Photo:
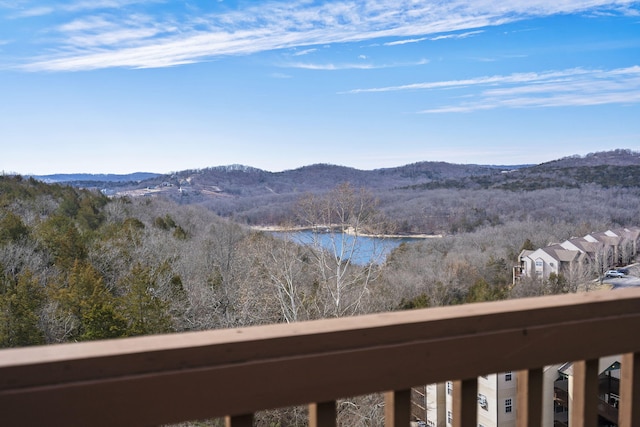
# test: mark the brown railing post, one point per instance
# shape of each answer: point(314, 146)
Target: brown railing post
point(629, 390)
point(322, 414)
point(465, 403)
point(583, 411)
point(529, 398)
point(158, 379)
point(397, 408)
point(239, 421)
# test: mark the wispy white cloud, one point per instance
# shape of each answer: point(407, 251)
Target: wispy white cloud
point(333, 67)
point(406, 41)
point(476, 81)
point(104, 4)
point(304, 52)
point(99, 31)
point(274, 25)
point(34, 11)
point(25, 10)
point(355, 65)
point(572, 87)
point(457, 36)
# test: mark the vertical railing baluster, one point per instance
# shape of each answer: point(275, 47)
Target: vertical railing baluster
point(322, 414)
point(583, 409)
point(529, 398)
point(397, 408)
point(629, 413)
point(239, 421)
point(465, 403)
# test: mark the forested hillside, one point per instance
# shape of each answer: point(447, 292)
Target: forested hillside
point(76, 265)
point(425, 197)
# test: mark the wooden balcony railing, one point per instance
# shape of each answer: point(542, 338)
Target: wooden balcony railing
point(234, 373)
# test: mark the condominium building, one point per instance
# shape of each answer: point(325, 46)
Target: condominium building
point(497, 406)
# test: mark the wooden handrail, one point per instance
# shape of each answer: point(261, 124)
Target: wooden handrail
point(170, 378)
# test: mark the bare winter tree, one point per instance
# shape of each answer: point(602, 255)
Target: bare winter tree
point(339, 219)
point(282, 266)
point(626, 251)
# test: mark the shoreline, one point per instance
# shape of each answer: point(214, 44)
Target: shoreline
point(349, 230)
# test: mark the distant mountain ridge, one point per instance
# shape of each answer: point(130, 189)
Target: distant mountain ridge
point(619, 157)
point(607, 169)
point(320, 168)
point(617, 167)
point(89, 177)
point(246, 181)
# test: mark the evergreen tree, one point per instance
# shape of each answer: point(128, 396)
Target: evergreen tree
point(61, 238)
point(12, 229)
point(94, 309)
point(146, 312)
point(20, 306)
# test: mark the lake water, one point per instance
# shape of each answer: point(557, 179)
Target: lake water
point(366, 249)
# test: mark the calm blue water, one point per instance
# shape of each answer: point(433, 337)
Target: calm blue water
point(367, 249)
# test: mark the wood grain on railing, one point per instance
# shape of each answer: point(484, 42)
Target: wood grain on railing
point(170, 378)
point(629, 411)
point(529, 401)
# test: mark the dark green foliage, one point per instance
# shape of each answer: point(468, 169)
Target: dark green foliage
point(61, 237)
point(420, 301)
point(177, 289)
point(482, 290)
point(164, 223)
point(146, 311)
point(95, 312)
point(69, 206)
point(167, 223)
point(556, 284)
point(497, 271)
point(180, 233)
point(14, 188)
point(528, 246)
point(89, 214)
point(12, 229)
point(20, 305)
point(160, 223)
point(133, 224)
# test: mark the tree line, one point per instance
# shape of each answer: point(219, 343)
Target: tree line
point(76, 265)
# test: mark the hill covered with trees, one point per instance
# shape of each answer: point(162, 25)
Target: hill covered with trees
point(426, 197)
point(77, 265)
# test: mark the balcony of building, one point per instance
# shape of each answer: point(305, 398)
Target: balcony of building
point(234, 373)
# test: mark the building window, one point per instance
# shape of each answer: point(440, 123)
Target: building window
point(482, 401)
point(507, 406)
point(507, 376)
point(449, 388)
point(449, 417)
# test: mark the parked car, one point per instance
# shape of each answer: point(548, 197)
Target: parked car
point(623, 270)
point(613, 273)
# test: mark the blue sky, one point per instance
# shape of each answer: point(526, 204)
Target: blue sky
point(118, 86)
